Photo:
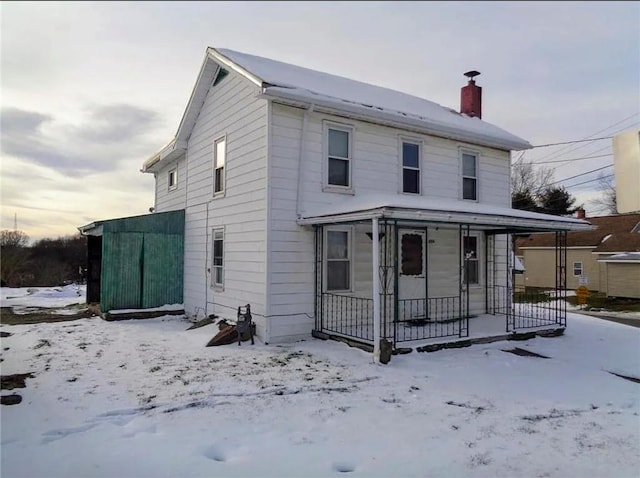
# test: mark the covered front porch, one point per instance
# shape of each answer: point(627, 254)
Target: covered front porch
point(412, 275)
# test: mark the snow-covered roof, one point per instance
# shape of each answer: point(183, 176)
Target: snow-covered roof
point(633, 257)
point(297, 84)
point(437, 210)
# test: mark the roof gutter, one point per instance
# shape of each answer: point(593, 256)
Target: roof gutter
point(289, 97)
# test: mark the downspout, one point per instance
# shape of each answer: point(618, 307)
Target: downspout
point(305, 121)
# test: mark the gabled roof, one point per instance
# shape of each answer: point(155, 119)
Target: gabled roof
point(612, 233)
point(295, 85)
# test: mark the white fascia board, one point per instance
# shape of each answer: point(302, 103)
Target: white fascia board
point(552, 247)
point(221, 59)
point(169, 152)
point(612, 253)
point(485, 221)
point(93, 229)
point(355, 111)
point(620, 261)
point(337, 218)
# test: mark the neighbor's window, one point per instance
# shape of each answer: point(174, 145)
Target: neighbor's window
point(410, 168)
point(218, 258)
point(338, 260)
point(219, 158)
point(339, 157)
point(577, 269)
point(470, 248)
point(172, 179)
point(469, 176)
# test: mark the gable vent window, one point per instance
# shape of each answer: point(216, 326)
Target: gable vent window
point(220, 76)
point(410, 168)
point(219, 160)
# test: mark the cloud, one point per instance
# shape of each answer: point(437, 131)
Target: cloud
point(105, 135)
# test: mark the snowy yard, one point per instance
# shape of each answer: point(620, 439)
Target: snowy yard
point(142, 398)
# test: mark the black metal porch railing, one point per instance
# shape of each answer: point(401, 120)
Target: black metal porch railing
point(417, 319)
point(346, 315)
point(530, 308)
point(420, 319)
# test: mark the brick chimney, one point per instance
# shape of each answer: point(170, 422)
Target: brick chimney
point(471, 96)
point(580, 214)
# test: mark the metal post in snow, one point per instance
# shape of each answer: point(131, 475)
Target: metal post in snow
point(376, 289)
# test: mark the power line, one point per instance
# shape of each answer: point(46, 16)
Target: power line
point(571, 142)
point(581, 174)
point(590, 137)
point(574, 159)
point(590, 181)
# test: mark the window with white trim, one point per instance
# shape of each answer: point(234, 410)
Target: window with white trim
point(471, 259)
point(219, 160)
point(217, 276)
point(338, 259)
point(577, 269)
point(410, 167)
point(470, 176)
point(339, 157)
point(172, 179)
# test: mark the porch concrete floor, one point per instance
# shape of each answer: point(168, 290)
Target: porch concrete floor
point(483, 328)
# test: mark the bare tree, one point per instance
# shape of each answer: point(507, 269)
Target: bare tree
point(607, 188)
point(15, 257)
point(527, 183)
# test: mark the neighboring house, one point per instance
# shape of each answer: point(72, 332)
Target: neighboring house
point(620, 275)
point(339, 207)
point(587, 254)
point(626, 163)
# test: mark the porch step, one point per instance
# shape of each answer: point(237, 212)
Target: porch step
point(555, 332)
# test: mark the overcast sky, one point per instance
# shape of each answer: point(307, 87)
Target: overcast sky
point(91, 90)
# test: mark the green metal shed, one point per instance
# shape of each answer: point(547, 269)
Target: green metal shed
point(135, 262)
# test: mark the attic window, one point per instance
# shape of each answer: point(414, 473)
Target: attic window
point(220, 76)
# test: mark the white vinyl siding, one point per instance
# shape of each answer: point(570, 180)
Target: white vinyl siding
point(376, 152)
point(168, 198)
point(230, 111)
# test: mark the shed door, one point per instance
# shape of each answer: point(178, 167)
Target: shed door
point(412, 273)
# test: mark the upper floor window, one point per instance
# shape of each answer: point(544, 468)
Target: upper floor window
point(172, 179)
point(219, 159)
point(339, 157)
point(471, 260)
point(410, 168)
point(470, 176)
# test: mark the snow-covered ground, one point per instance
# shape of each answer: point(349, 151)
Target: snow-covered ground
point(142, 398)
point(23, 300)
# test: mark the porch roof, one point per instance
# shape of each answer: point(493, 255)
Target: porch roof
point(420, 208)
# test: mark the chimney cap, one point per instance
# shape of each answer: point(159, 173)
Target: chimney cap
point(471, 74)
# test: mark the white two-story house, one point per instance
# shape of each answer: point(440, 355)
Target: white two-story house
point(342, 208)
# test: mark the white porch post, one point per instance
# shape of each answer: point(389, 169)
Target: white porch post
point(376, 289)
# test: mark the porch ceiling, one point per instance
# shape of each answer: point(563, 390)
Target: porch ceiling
point(494, 219)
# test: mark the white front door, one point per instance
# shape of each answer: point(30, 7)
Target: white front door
point(412, 273)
